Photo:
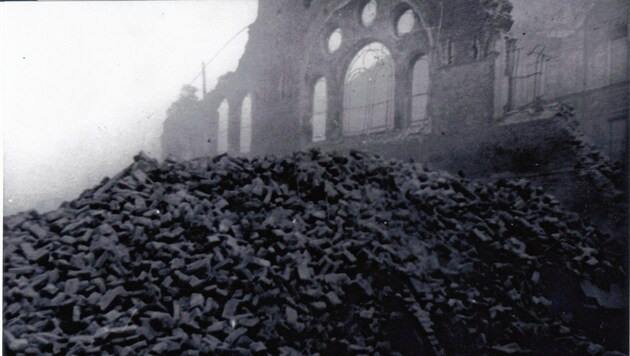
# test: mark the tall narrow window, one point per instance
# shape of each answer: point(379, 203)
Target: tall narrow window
point(222, 131)
point(420, 95)
point(320, 110)
point(368, 94)
point(246, 125)
point(527, 75)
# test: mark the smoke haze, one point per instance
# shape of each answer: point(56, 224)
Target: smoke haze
point(85, 85)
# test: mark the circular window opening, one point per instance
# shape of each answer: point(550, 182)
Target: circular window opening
point(405, 23)
point(334, 40)
point(369, 13)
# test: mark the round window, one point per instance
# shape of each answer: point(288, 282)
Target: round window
point(334, 40)
point(369, 13)
point(405, 23)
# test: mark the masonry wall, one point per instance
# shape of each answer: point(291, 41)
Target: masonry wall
point(580, 68)
point(541, 147)
point(286, 54)
point(603, 114)
point(463, 95)
point(189, 131)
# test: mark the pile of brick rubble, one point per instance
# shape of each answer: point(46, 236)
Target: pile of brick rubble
point(606, 174)
point(305, 254)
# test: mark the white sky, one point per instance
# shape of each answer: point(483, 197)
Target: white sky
point(556, 18)
point(85, 85)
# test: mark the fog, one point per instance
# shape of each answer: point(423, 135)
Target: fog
point(557, 18)
point(86, 85)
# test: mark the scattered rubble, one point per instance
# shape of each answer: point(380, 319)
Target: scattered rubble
point(607, 175)
point(312, 253)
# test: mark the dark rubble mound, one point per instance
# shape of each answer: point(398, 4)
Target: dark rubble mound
point(306, 254)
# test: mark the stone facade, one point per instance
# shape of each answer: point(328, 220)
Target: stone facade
point(581, 60)
point(471, 98)
point(486, 77)
point(287, 53)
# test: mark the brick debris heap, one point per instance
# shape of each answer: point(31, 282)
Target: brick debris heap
point(309, 253)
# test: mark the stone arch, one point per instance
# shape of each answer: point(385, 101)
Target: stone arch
point(426, 12)
point(319, 62)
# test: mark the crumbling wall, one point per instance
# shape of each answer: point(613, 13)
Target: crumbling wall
point(286, 54)
point(457, 82)
point(584, 52)
point(462, 96)
point(603, 115)
point(545, 147)
point(188, 128)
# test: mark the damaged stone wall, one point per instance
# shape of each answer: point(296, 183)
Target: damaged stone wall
point(545, 147)
point(187, 130)
point(582, 54)
point(286, 54)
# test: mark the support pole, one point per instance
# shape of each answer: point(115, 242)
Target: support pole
point(203, 80)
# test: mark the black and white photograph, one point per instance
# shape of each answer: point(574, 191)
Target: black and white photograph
point(315, 177)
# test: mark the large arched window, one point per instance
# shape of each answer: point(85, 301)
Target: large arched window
point(420, 95)
point(246, 125)
point(368, 104)
point(222, 130)
point(320, 110)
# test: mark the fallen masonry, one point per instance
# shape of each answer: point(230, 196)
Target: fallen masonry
point(313, 253)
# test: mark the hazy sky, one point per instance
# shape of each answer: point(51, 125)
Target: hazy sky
point(85, 85)
point(556, 18)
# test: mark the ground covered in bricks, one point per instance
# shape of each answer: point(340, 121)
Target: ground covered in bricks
point(310, 253)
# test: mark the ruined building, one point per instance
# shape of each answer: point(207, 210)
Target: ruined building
point(322, 71)
point(442, 82)
point(577, 55)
